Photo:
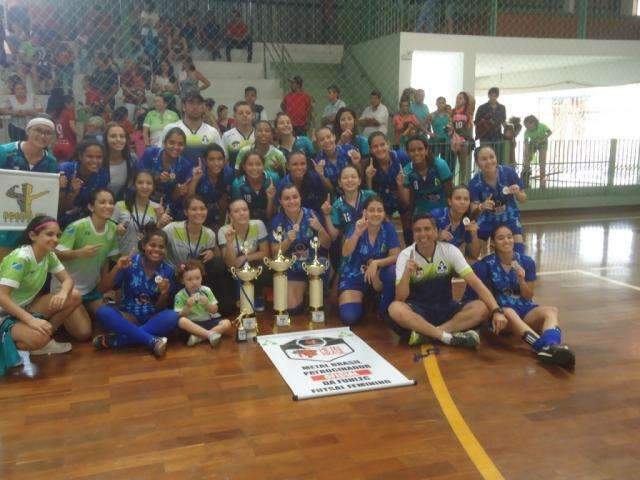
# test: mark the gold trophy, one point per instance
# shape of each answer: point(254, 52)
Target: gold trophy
point(247, 322)
point(315, 270)
point(280, 265)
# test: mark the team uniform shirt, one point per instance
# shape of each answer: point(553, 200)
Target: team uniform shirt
point(443, 219)
point(256, 233)
point(313, 192)
point(345, 215)
point(504, 284)
point(385, 185)
point(65, 144)
point(196, 140)
point(381, 114)
point(139, 291)
point(257, 200)
point(332, 170)
point(233, 140)
point(134, 220)
point(198, 312)
point(430, 286)
point(86, 271)
point(181, 248)
point(12, 158)
point(428, 192)
point(506, 209)
point(537, 137)
point(462, 124)
point(99, 179)
point(212, 192)
point(352, 268)
point(156, 121)
point(274, 160)
point(26, 276)
point(301, 246)
point(300, 143)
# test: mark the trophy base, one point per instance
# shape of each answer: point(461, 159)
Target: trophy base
point(317, 320)
point(282, 323)
point(249, 330)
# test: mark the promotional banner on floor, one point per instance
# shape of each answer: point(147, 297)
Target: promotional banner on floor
point(333, 361)
point(24, 195)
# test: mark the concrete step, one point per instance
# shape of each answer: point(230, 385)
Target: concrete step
point(271, 105)
point(234, 88)
point(230, 70)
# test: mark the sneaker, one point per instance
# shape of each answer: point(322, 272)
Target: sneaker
point(559, 355)
point(416, 339)
point(469, 339)
point(194, 340)
point(53, 347)
point(159, 346)
point(101, 342)
point(258, 304)
point(214, 339)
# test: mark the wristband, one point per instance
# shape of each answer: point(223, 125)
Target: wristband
point(496, 310)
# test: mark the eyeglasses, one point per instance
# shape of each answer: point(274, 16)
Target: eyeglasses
point(43, 133)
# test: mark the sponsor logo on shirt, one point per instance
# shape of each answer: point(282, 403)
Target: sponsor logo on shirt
point(442, 267)
point(17, 266)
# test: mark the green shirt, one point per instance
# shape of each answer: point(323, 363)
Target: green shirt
point(86, 271)
point(26, 277)
point(156, 121)
point(274, 160)
point(181, 248)
point(538, 134)
point(199, 312)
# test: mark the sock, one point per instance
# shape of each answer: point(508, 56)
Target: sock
point(446, 338)
point(126, 333)
point(388, 279)
point(350, 313)
point(552, 336)
point(530, 338)
point(519, 247)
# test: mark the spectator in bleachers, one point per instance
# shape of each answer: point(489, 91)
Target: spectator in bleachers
point(165, 83)
point(136, 142)
point(133, 86)
point(224, 122)
point(298, 105)
point(250, 96)
point(63, 67)
point(419, 108)
point(404, 123)
point(238, 36)
point(149, 37)
point(189, 30)
point(334, 105)
point(94, 129)
point(345, 129)
point(178, 49)
point(60, 109)
point(21, 106)
point(208, 116)
point(427, 18)
point(242, 134)
point(121, 117)
point(438, 125)
point(212, 36)
point(375, 117)
point(156, 120)
point(103, 84)
point(191, 79)
point(490, 118)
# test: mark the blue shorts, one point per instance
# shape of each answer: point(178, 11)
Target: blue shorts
point(522, 308)
point(485, 229)
point(436, 315)
point(353, 283)
point(209, 324)
point(92, 296)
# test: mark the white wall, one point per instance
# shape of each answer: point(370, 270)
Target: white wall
point(438, 74)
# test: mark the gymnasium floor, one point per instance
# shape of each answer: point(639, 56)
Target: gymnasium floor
point(226, 414)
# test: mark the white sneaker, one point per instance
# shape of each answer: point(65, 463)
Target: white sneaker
point(53, 347)
point(214, 339)
point(194, 340)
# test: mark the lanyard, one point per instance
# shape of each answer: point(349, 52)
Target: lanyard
point(238, 244)
point(136, 217)
point(192, 253)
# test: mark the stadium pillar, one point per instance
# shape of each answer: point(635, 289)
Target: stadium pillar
point(493, 18)
point(583, 8)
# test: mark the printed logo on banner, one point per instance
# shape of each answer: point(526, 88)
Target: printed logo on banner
point(317, 349)
point(24, 198)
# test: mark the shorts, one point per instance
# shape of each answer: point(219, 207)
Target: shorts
point(209, 324)
point(487, 227)
point(92, 296)
point(436, 315)
point(8, 351)
point(522, 307)
point(353, 283)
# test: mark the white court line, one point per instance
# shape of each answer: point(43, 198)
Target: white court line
point(584, 220)
point(618, 267)
point(590, 274)
point(556, 272)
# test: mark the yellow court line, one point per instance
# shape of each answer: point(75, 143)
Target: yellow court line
point(467, 439)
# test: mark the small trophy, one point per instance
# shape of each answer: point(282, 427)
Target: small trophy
point(315, 270)
point(280, 265)
point(247, 274)
point(247, 327)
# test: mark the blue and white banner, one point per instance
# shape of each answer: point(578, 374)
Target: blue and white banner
point(332, 361)
point(24, 195)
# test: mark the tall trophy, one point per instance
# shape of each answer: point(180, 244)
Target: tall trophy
point(280, 265)
point(315, 270)
point(247, 322)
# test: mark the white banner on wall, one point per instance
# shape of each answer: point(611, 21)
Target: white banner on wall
point(24, 195)
point(332, 361)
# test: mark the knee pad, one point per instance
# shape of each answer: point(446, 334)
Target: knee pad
point(350, 313)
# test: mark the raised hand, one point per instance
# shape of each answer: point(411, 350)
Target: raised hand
point(489, 204)
point(346, 136)
point(64, 181)
point(361, 225)
point(315, 223)
point(76, 184)
point(207, 255)
point(121, 229)
point(319, 167)
point(370, 171)
point(355, 156)
point(165, 177)
point(326, 206)
point(518, 269)
point(400, 178)
point(229, 234)
point(271, 190)
point(124, 262)
point(88, 251)
point(514, 189)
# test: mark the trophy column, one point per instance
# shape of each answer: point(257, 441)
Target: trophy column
point(315, 270)
point(247, 323)
point(280, 265)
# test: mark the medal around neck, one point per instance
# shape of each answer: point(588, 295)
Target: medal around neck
point(506, 190)
point(279, 266)
point(247, 274)
point(315, 270)
point(466, 221)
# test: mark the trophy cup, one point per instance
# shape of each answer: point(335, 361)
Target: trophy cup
point(247, 319)
point(280, 265)
point(315, 270)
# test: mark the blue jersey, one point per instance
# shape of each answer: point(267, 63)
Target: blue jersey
point(362, 144)
point(99, 179)
point(428, 191)
point(212, 193)
point(352, 267)
point(139, 292)
point(504, 284)
point(344, 215)
point(302, 143)
point(384, 183)
point(443, 219)
point(506, 208)
point(301, 245)
point(312, 192)
point(257, 200)
point(332, 170)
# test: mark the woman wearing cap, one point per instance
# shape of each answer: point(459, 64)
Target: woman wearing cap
point(31, 155)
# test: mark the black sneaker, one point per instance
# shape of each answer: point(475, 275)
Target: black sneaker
point(469, 339)
point(559, 355)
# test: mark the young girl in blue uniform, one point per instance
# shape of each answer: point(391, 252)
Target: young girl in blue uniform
point(299, 226)
point(144, 316)
point(453, 227)
point(212, 180)
point(369, 253)
point(171, 170)
point(345, 129)
point(81, 177)
point(511, 278)
point(332, 158)
point(494, 191)
point(308, 182)
point(256, 186)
